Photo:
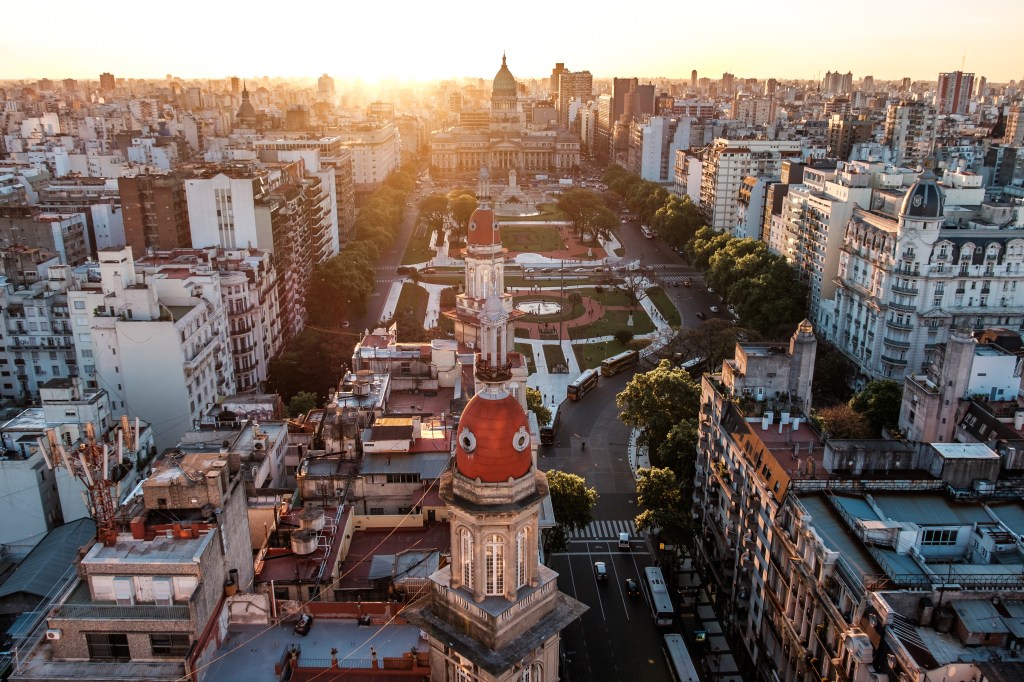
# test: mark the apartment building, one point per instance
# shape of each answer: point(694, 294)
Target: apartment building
point(845, 131)
point(376, 153)
point(573, 85)
point(146, 600)
point(64, 234)
point(653, 144)
point(248, 285)
point(910, 131)
point(727, 162)
point(134, 332)
point(96, 198)
point(155, 213)
point(953, 93)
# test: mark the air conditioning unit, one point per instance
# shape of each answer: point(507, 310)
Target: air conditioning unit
point(53, 634)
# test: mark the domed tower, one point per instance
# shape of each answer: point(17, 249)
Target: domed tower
point(246, 115)
point(504, 97)
point(495, 610)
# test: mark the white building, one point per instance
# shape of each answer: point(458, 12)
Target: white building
point(376, 153)
point(157, 344)
point(687, 173)
point(910, 131)
point(653, 146)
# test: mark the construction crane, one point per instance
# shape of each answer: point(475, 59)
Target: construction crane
point(98, 469)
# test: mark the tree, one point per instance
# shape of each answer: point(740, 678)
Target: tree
point(573, 503)
point(588, 214)
point(841, 421)
point(461, 204)
point(634, 284)
point(715, 340)
point(659, 496)
point(535, 403)
point(678, 451)
point(301, 403)
point(880, 403)
point(623, 336)
point(832, 372)
point(677, 221)
point(655, 401)
point(434, 210)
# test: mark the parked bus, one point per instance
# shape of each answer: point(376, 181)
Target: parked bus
point(695, 366)
point(617, 363)
point(547, 432)
point(583, 384)
point(679, 662)
point(647, 232)
point(657, 592)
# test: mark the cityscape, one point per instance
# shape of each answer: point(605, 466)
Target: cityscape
point(632, 358)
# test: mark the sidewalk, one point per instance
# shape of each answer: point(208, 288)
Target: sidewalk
point(391, 302)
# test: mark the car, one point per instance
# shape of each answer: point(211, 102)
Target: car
point(303, 624)
point(600, 571)
point(404, 270)
point(675, 284)
point(598, 269)
point(624, 221)
point(632, 588)
point(686, 284)
point(711, 290)
point(345, 324)
point(701, 315)
point(713, 308)
point(581, 269)
point(623, 540)
point(427, 271)
point(548, 270)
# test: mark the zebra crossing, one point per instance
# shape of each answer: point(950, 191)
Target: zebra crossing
point(604, 530)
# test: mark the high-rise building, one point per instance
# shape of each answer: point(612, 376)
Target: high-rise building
point(693, 79)
point(867, 84)
point(846, 131)
point(603, 130)
point(632, 99)
point(325, 86)
point(154, 212)
point(573, 85)
point(953, 94)
point(653, 144)
point(1014, 136)
point(910, 131)
point(106, 81)
point(553, 81)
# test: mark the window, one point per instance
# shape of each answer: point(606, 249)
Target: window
point(938, 537)
point(466, 556)
point(522, 550)
point(170, 644)
point(494, 565)
point(108, 646)
point(79, 305)
point(531, 673)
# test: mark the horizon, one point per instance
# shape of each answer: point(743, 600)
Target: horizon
point(875, 38)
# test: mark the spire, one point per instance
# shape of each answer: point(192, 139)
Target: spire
point(493, 366)
point(503, 57)
point(483, 190)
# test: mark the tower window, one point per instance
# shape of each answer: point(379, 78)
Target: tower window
point(466, 552)
point(494, 555)
point(522, 549)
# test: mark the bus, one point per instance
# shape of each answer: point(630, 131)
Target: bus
point(657, 592)
point(679, 662)
point(583, 384)
point(617, 363)
point(547, 432)
point(647, 232)
point(695, 366)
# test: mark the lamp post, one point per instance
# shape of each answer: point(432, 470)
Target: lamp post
point(561, 296)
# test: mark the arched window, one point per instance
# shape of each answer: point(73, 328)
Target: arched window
point(531, 673)
point(494, 566)
point(522, 549)
point(466, 555)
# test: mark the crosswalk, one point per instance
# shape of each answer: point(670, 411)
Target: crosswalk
point(604, 530)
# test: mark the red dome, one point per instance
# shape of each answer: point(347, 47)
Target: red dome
point(493, 440)
point(483, 228)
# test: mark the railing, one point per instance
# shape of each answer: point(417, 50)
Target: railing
point(911, 291)
point(893, 361)
point(905, 307)
point(118, 612)
point(899, 325)
point(896, 344)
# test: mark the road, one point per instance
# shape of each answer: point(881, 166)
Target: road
point(615, 639)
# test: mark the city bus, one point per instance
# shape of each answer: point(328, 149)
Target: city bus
point(657, 592)
point(647, 232)
point(695, 366)
point(547, 432)
point(617, 363)
point(583, 384)
point(679, 662)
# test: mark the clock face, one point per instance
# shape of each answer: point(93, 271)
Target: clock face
point(917, 201)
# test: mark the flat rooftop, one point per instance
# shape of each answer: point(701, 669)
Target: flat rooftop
point(249, 652)
point(355, 568)
point(159, 550)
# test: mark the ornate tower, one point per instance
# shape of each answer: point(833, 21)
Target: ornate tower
point(495, 613)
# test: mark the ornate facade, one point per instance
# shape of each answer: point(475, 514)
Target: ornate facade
point(504, 145)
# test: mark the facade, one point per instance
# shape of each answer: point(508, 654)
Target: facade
point(155, 213)
point(63, 234)
point(726, 163)
point(653, 145)
point(844, 131)
point(501, 143)
point(904, 282)
point(134, 333)
point(573, 85)
point(96, 198)
point(376, 150)
point(495, 612)
point(910, 131)
point(954, 92)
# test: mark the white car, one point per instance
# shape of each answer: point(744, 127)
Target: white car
point(714, 308)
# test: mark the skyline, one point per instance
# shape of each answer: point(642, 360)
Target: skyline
point(72, 41)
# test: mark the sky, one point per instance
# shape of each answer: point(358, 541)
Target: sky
point(409, 40)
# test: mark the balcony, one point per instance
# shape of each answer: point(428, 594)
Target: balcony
point(117, 612)
point(904, 307)
point(903, 345)
point(899, 325)
point(905, 290)
point(894, 361)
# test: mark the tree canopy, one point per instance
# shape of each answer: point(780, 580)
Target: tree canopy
point(842, 421)
point(661, 501)
point(535, 403)
point(879, 402)
point(677, 221)
point(588, 214)
point(571, 499)
point(461, 204)
point(301, 403)
point(655, 401)
point(434, 210)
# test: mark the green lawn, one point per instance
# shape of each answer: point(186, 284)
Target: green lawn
point(613, 321)
point(419, 250)
point(554, 356)
point(568, 314)
point(413, 297)
point(608, 296)
point(450, 280)
point(531, 238)
point(527, 352)
point(665, 306)
point(590, 355)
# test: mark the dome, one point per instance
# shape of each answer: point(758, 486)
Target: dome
point(483, 228)
point(924, 198)
point(504, 81)
point(493, 440)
